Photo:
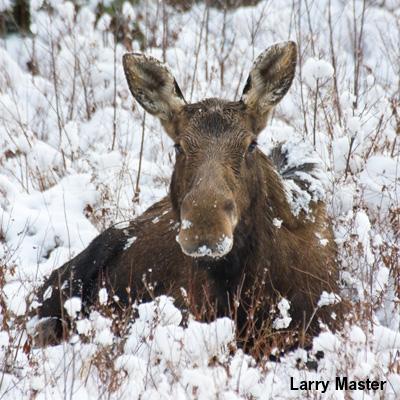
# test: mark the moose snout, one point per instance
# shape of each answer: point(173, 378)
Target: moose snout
point(207, 227)
point(204, 248)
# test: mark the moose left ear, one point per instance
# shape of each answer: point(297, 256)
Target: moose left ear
point(153, 85)
point(269, 80)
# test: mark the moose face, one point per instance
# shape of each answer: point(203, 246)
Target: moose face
point(214, 179)
point(215, 159)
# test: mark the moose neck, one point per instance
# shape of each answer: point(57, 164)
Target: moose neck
point(230, 267)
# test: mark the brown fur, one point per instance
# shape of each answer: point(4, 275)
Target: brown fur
point(224, 188)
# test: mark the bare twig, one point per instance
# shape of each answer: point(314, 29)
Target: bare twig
point(137, 188)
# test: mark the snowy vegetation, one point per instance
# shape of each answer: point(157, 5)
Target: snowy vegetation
point(77, 155)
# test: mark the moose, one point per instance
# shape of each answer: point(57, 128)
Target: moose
point(212, 244)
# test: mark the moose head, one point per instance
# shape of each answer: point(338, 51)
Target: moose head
point(216, 175)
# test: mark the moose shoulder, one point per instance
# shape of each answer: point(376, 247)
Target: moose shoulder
point(214, 234)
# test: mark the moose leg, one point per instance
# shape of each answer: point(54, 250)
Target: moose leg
point(78, 277)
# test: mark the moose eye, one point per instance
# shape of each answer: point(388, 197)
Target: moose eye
point(252, 146)
point(178, 149)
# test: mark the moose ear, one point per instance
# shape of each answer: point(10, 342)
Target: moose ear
point(153, 85)
point(269, 80)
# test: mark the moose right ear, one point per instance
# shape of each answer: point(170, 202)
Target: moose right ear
point(153, 85)
point(269, 80)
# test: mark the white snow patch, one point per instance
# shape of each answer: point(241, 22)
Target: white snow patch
point(186, 224)
point(161, 310)
point(284, 320)
point(277, 222)
point(225, 245)
point(104, 22)
point(129, 242)
point(4, 339)
point(122, 225)
point(316, 71)
point(83, 326)
point(104, 337)
point(327, 299)
point(47, 293)
point(73, 306)
point(103, 296)
point(323, 242)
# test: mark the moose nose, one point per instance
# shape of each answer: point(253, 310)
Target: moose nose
point(207, 224)
point(205, 248)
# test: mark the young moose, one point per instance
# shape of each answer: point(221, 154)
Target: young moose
point(214, 234)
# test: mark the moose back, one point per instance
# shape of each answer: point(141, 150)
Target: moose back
point(214, 235)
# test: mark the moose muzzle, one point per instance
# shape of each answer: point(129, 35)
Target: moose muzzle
point(208, 222)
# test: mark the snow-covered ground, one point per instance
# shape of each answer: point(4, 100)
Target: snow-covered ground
point(70, 140)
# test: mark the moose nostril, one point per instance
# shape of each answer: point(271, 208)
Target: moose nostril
point(229, 206)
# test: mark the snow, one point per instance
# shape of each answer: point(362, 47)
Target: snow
point(380, 182)
point(353, 125)
point(161, 310)
point(323, 242)
point(4, 339)
point(186, 224)
point(104, 337)
point(73, 306)
point(277, 222)
point(128, 11)
point(129, 242)
point(62, 181)
point(327, 299)
point(357, 335)
point(103, 296)
point(47, 293)
point(104, 22)
point(362, 227)
point(303, 187)
point(5, 5)
point(283, 321)
point(224, 245)
point(122, 225)
point(316, 72)
point(83, 326)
